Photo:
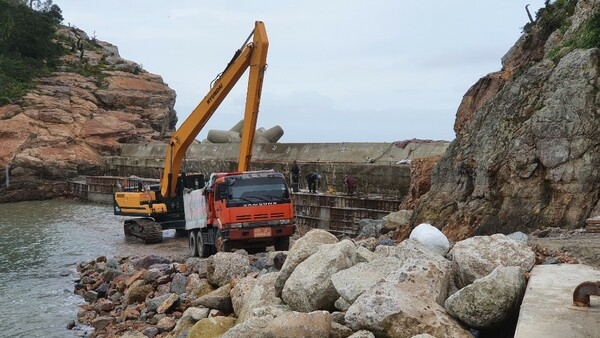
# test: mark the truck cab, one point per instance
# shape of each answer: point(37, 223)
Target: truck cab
point(250, 210)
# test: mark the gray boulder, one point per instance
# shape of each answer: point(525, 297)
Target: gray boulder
point(432, 272)
point(489, 301)
point(301, 250)
point(224, 266)
point(388, 310)
point(477, 256)
point(250, 293)
point(309, 287)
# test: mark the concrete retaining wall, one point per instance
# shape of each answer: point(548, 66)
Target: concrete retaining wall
point(379, 168)
point(387, 153)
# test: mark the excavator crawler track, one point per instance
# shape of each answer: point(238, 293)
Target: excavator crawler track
point(143, 228)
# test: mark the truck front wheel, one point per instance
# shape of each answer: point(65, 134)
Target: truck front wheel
point(223, 245)
point(282, 244)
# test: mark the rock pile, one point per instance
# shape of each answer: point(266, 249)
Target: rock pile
point(321, 287)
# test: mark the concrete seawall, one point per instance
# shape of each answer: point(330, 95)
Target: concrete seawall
point(380, 168)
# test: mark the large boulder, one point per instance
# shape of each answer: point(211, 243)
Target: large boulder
point(489, 302)
point(309, 287)
point(409, 262)
point(218, 299)
point(428, 270)
point(211, 327)
point(222, 267)
point(250, 293)
point(388, 310)
point(478, 256)
point(315, 324)
point(301, 250)
point(352, 282)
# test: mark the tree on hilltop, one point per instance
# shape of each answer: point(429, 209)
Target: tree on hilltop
point(28, 44)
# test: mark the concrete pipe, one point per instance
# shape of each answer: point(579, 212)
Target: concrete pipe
point(221, 136)
point(274, 134)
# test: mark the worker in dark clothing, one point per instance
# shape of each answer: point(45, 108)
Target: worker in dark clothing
point(313, 180)
point(350, 184)
point(295, 171)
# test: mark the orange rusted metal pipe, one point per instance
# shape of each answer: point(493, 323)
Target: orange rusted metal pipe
point(583, 291)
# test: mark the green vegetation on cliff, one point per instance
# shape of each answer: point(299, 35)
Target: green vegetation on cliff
point(553, 16)
point(557, 16)
point(28, 44)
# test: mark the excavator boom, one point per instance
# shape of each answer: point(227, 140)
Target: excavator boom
point(258, 63)
point(156, 208)
point(252, 55)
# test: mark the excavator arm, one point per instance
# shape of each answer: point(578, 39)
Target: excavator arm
point(251, 55)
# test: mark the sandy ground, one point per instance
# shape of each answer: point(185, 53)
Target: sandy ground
point(569, 246)
point(172, 247)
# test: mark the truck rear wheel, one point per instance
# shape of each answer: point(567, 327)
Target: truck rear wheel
point(193, 243)
point(204, 250)
point(282, 244)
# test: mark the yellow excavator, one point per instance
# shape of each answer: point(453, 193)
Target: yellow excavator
point(162, 206)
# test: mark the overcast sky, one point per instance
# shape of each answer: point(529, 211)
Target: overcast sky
point(338, 70)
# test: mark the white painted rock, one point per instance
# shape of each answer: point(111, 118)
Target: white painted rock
point(431, 237)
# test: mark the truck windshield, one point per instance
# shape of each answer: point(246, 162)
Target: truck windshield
point(257, 190)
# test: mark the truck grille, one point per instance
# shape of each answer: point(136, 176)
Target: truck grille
point(259, 217)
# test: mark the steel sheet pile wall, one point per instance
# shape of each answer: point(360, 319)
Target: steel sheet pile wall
point(101, 188)
point(339, 213)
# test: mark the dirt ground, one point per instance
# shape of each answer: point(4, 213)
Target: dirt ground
point(550, 244)
point(172, 247)
point(566, 246)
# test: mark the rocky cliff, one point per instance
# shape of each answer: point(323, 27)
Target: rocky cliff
point(71, 119)
point(527, 147)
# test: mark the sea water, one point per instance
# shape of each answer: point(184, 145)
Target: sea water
point(41, 243)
